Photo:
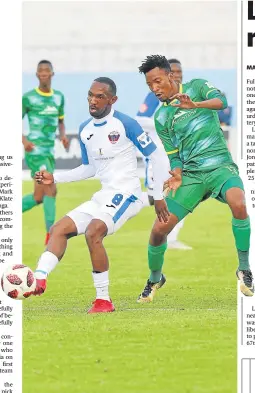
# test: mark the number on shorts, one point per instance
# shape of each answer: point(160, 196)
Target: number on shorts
point(117, 199)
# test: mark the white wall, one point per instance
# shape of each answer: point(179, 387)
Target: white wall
point(116, 36)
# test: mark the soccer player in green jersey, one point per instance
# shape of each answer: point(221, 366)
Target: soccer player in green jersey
point(202, 167)
point(44, 108)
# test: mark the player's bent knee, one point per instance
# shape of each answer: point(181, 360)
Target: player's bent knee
point(238, 208)
point(64, 227)
point(96, 231)
point(56, 230)
point(156, 239)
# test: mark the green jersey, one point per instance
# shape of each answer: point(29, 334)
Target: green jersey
point(44, 111)
point(193, 138)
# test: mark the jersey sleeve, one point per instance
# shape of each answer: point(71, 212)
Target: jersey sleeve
point(25, 106)
point(149, 106)
point(207, 91)
point(61, 113)
point(138, 136)
point(171, 150)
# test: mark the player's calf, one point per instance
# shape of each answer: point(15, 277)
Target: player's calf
point(95, 233)
point(59, 233)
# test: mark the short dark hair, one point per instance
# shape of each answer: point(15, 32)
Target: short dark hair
point(45, 62)
point(154, 61)
point(172, 61)
point(109, 82)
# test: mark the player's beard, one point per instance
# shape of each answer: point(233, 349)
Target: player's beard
point(101, 112)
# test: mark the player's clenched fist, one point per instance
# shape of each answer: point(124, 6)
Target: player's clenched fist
point(44, 177)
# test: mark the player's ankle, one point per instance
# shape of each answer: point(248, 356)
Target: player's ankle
point(41, 275)
point(103, 297)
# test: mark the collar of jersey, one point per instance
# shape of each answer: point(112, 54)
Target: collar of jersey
point(101, 122)
point(44, 94)
point(174, 101)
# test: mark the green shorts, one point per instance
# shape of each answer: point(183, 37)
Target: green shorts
point(198, 186)
point(39, 163)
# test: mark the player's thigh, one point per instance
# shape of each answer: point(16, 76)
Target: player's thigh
point(116, 208)
point(162, 229)
point(64, 227)
point(223, 179)
point(82, 215)
point(233, 194)
point(186, 198)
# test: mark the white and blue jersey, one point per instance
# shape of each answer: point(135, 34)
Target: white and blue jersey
point(108, 148)
point(109, 145)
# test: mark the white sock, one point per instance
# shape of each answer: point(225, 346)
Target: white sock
point(101, 283)
point(47, 262)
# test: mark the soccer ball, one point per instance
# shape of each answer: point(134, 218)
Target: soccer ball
point(18, 281)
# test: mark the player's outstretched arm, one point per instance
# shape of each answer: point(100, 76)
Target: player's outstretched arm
point(209, 97)
point(147, 147)
point(185, 102)
point(160, 205)
point(82, 172)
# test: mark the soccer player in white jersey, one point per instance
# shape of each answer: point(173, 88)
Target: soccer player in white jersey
point(108, 142)
point(145, 117)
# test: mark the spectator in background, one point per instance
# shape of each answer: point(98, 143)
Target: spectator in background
point(44, 108)
point(145, 117)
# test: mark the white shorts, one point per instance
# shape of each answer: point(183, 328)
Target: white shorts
point(114, 208)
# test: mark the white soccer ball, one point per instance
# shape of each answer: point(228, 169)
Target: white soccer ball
point(18, 281)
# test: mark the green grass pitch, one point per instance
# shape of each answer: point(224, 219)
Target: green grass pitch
point(184, 342)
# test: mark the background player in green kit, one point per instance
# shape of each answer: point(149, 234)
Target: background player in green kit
point(188, 126)
point(44, 108)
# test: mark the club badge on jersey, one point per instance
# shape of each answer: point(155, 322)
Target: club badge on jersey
point(114, 137)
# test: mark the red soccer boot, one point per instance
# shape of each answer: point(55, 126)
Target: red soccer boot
point(101, 305)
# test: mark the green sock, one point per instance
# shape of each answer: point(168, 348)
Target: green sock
point(242, 232)
point(28, 202)
point(49, 207)
point(156, 260)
